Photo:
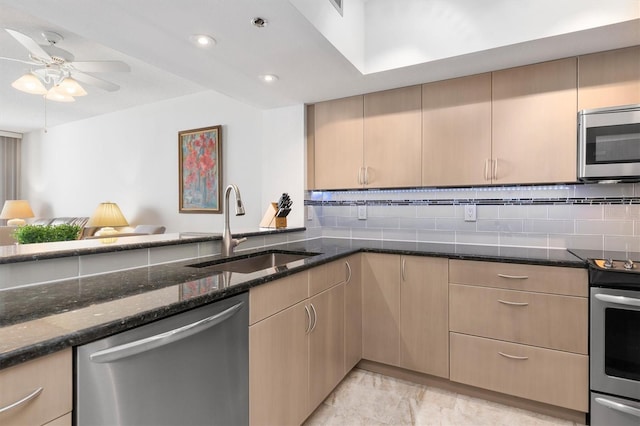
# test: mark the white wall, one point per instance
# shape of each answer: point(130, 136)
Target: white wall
point(131, 157)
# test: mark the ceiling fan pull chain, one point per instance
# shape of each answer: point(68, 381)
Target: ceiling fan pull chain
point(44, 98)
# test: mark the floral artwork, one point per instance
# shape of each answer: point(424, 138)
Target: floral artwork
point(200, 165)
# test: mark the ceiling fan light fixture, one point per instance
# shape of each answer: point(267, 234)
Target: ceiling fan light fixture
point(59, 95)
point(29, 83)
point(71, 87)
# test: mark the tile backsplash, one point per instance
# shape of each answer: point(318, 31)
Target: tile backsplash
point(591, 216)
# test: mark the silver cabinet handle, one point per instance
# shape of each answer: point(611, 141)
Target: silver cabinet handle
point(519, 358)
point(486, 169)
point(619, 300)
point(402, 269)
point(315, 318)
point(24, 400)
point(506, 302)
point(618, 407)
point(366, 175)
point(133, 348)
point(349, 273)
point(495, 169)
point(514, 277)
point(360, 182)
point(306, 309)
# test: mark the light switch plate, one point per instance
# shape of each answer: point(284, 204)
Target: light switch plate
point(309, 212)
point(362, 212)
point(470, 213)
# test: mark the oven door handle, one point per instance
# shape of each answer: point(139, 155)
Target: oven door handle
point(618, 407)
point(620, 300)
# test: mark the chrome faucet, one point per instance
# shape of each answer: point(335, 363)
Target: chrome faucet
point(228, 243)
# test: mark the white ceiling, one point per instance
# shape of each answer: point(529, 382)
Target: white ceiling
point(317, 54)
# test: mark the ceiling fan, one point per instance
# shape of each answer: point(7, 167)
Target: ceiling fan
point(55, 74)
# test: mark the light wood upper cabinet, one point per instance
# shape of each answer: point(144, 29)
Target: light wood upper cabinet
point(393, 138)
point(424, 326)
point(609, 78)
point(534, 123)
point(456, 131)
point(338, 143)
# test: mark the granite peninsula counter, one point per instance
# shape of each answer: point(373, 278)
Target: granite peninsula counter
point(40, 319)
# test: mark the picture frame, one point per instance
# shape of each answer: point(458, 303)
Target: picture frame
point(200, 170)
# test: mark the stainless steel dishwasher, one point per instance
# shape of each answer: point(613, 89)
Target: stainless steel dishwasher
point(188, 369)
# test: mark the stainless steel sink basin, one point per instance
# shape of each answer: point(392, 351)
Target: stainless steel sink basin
point(254, 263)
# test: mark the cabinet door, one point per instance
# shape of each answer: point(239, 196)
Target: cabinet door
point(326, 344)
point(456, 131)
point(278, 367)
point(338, 143)
point(381, 308)
point(424, 327)
point(534, 123)
point(393, 137)
point(353, 313)
point(609, 78)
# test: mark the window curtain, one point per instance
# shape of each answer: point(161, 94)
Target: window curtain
point(9, 168)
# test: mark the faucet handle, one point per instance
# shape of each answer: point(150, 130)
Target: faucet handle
point(236, 241)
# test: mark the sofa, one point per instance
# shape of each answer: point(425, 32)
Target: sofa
point(6, 232)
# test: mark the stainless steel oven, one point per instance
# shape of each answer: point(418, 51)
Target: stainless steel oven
point(614, 368)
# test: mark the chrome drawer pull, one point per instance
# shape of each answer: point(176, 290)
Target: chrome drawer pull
point(24, 400)
point(315, 318)
point(620, 300)
point(348, 272)
point(618, 407)
point(514, 277)
point(506, 302)
point(306, 309)
point(520, 358)
point(402, 269)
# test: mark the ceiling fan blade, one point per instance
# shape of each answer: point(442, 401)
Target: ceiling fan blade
point(95, 81)
point(19, 60)
point(101, 66)
point(33, 47)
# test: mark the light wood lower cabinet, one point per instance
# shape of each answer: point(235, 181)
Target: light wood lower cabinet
point(52, 374)
point(353, 313)
point(405, 312)
point(553, 377)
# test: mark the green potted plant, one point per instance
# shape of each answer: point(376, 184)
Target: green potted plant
point(29, 234)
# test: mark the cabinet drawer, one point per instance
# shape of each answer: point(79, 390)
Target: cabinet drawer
point(268, 299)
point(546, 320)
point(53, 373)
point(326, 276)
point(544, 375)
point(514, 276)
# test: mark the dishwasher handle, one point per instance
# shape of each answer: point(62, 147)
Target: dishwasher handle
point(133, 348)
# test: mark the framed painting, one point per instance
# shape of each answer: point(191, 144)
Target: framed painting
point(200, 170)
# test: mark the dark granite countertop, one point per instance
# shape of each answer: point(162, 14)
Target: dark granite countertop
point(41, 319)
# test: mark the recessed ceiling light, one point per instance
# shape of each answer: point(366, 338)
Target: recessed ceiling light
point(259, 22)
point(202, 40)
point(269, 78)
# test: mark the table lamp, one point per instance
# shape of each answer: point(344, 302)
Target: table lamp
point(16, 211)
point(107, 216)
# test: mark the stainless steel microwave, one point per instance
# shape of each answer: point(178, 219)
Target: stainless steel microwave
point(609, 144)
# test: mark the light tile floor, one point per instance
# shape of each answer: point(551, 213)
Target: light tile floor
point(366, 398)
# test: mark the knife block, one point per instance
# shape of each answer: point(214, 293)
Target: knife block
point(269, 220)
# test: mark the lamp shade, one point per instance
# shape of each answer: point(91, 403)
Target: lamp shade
point(16, 211)
point(29, 83)
point(107, 214)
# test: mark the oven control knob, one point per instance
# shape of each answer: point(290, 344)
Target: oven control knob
point(608, 263)
point(628, 264)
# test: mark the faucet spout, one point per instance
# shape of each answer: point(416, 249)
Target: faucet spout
point(229, 243)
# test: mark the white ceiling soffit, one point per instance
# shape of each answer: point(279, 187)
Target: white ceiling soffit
point(316, 53)
point(382, 35)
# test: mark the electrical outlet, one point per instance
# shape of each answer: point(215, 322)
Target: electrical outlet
point(362, 212)
point(470, 213)
point(309, 213)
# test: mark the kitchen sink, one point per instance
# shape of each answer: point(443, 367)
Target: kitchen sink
point(254, 263)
